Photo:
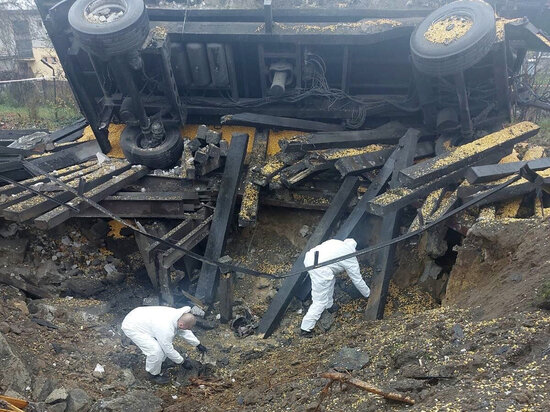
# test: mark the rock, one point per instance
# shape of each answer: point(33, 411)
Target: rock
point(263, 283)
point(12, 251)
point(407, 385)
point(48, 274)
point(109, 268)
point(8, 230)
point(57, 407)
point(89, 314)
point(349, 359)
point(85, 287)
point(543, 296)
point(115, 278)
point(458, 332)
point(4, 327)
point(326, 320)
point(516, 277)
point(431, 271)
point(135, 401)
point(304, 230)
point(128, 377)
point(13, 373)
point(99, 371)
point(43, 386)
point(206, 324)
point(151, 301)
point(15, 329)
point(21, 305)
point(57, 395)
point(78, 401)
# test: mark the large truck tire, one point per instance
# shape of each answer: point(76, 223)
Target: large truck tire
point(163, 156)
point(453, 38)
point(107, 28)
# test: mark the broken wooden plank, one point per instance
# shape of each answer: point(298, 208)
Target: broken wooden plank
point(264, 120)
point(346, 378)
point(384, 258)
point(398, 198)
point(143, 242)
point(368, 161)
point(62, 213)
point(225, 205)
point(424, 172)
point(388, 133)
point(11, 189)
point(37, 205)
point(23, 195)
point(248, 213)
point(35, 291)
point(483, 174)
point(175, 234)
point(291, 285)
point(192, 239)
point(518, 188)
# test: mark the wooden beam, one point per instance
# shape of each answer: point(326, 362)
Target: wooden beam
point(466, 155)
point(192, 239)
point(398, 198)
point(386, 134)
point(483, 174)
point(62, 213)
point(264, 120)
point(384, 259)
point(225, 205)
point(9, 190)
point(251, 196)
point(177, 233)
point(37, 205)
point(291, 285)
point(17, 196)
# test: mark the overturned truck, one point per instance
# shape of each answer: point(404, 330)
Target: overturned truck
point(345, 75)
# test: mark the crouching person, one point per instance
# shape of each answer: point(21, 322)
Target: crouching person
point(153, 328)
point(323, 279)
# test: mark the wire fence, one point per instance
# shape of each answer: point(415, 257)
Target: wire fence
point(37, 103)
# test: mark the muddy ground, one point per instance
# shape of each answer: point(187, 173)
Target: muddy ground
point(487, 348)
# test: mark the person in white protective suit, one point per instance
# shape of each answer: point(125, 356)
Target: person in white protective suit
point(323, 279)
point(153, 328)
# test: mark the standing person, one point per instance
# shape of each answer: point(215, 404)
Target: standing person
point(323, 279)
point(153, 328)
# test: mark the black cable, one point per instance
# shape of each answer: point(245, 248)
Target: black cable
point(244, 270)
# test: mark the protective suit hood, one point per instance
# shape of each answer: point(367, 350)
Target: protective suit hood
point(351, 242)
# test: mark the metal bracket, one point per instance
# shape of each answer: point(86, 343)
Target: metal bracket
point(268, 16)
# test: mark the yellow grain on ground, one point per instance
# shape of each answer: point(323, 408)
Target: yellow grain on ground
point(534, 152)
point(190, 131)
point(115, 228)
point(487, 213)
point(115, 130)
point(447, 30)
point(276, 135)
point(512, 157)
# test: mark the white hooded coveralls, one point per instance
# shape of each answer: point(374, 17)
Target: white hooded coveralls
point(152, 329)
point(323, 278)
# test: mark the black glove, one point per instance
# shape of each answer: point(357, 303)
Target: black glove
point(201, 348)
point(187, 364)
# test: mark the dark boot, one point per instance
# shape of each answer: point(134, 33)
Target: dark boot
point(306, 333)
point(334, 308)
point(159, 379)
